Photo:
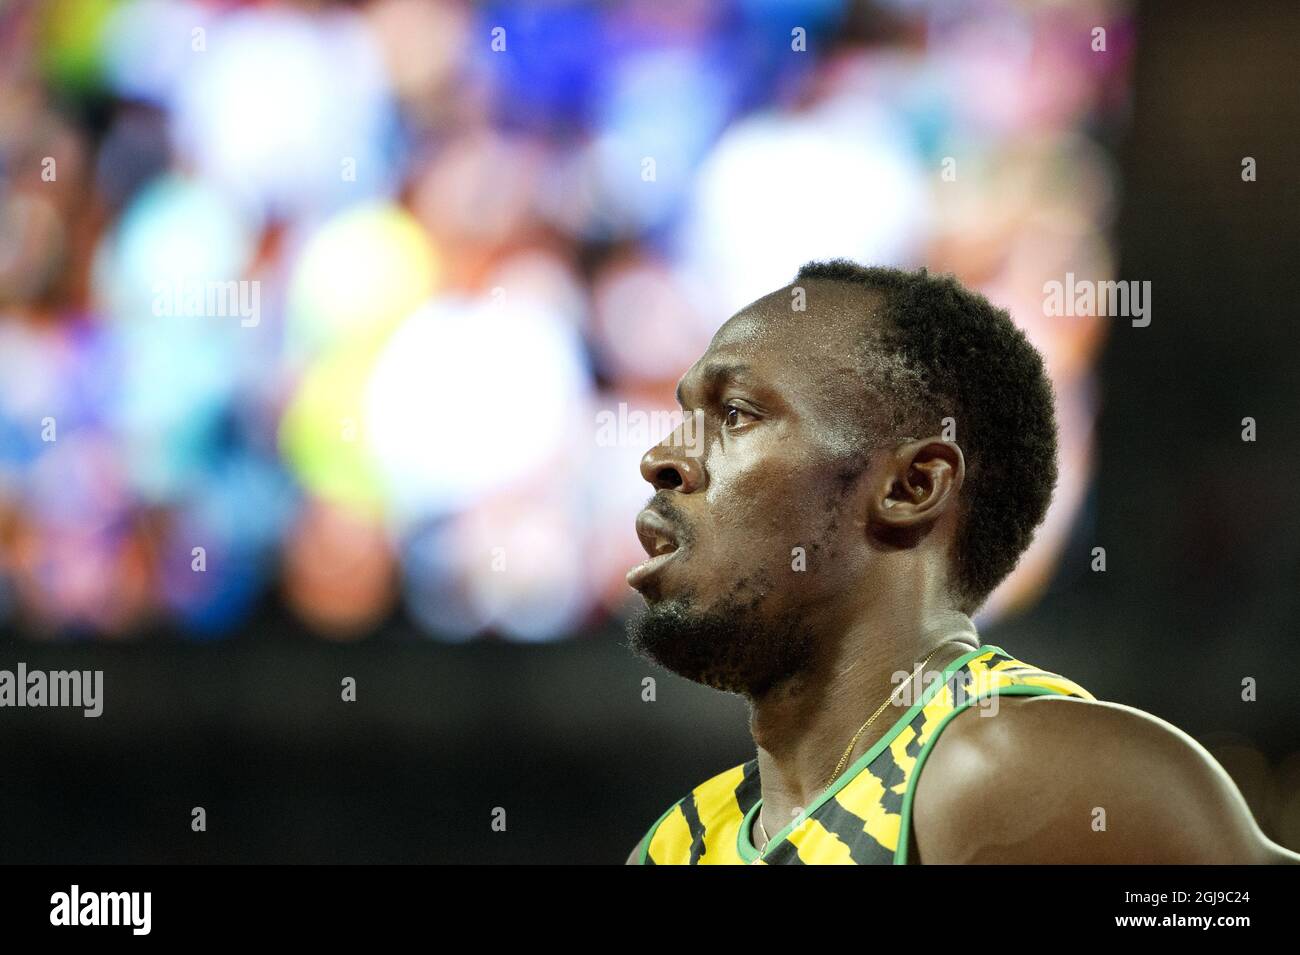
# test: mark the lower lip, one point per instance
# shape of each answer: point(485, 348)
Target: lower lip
point(643, 571)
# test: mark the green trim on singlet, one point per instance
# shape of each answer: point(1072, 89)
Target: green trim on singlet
point(745, 846)
point(904, 827)
point(645, 843)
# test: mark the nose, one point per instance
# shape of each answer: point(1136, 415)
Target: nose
point(667, 467)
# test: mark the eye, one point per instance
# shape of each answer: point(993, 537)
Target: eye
point(734, 416)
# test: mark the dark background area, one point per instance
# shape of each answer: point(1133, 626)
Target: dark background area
point(1201, 532)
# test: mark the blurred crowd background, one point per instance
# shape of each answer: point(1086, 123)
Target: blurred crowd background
point(453, 242)
point(458, 235)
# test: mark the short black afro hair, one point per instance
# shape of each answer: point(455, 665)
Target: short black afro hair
point(940, 350)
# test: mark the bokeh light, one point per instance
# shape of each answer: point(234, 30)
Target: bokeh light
point(466, 238)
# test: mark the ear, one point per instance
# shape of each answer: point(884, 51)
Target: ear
point(918, 484)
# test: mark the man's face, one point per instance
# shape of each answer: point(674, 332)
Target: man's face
point(752, 542)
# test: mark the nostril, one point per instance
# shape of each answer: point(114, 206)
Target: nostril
point(668, 478)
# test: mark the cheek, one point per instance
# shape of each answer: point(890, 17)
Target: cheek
point(765, 506)
point(750, 497)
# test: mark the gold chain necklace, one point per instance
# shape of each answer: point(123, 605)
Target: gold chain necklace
point(763, 829)
point(853, 742)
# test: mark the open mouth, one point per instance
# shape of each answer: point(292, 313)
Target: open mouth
point(660, 543)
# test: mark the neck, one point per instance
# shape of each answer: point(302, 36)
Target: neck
point(801, 728)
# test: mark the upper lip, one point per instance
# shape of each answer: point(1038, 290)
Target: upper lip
point(657, 535)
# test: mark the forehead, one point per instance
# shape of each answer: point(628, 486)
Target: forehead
point(781, 346)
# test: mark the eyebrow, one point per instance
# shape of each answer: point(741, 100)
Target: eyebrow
point(714, 374)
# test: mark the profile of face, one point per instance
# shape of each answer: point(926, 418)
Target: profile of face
point(755, 533)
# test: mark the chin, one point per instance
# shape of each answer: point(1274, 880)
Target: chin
point(729, 646)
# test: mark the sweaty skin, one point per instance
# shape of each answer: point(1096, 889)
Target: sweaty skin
point(778, 394)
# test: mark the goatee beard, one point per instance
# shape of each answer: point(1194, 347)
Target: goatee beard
point(730, 647)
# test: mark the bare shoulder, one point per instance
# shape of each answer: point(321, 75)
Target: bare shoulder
point(1059, 779)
